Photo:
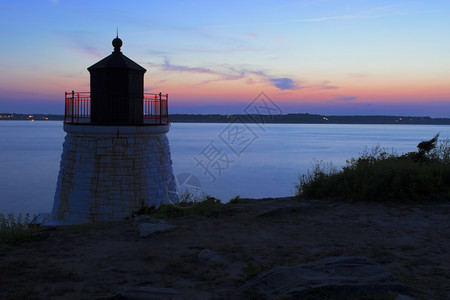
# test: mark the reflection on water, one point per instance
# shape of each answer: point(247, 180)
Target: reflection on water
point(228, 160)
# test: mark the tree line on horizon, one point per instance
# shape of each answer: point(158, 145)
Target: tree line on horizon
point(293, 118)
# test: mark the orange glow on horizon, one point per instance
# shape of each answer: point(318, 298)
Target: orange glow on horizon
point(198, 90)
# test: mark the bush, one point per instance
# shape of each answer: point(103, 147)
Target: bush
point(237, 200)
point(209, 207)
point(16, 229)
point(381, 175)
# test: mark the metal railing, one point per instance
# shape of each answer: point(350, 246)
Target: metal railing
point(78, 108)
point(155, 108)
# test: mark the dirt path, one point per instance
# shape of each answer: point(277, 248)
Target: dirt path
point(210, 257)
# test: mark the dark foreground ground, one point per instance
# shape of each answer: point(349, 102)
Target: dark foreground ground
point(212, 257)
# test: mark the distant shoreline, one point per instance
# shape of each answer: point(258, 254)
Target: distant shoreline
point(298, 118)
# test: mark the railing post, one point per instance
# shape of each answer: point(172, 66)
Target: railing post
point(154, 109)
point(78, 107)
point(167, 108)
point(65, 106)
point(73, 96)
point(160, 107)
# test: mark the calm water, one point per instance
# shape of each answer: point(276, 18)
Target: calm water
point(227, 159)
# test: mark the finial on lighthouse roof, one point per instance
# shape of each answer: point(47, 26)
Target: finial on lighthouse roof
point(117, 43)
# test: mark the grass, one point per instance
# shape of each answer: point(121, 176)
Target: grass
point(208, 207)
point(379, 175)
point(14, 230)
point(237, 200)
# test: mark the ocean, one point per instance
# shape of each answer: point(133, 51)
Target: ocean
point(223, 160)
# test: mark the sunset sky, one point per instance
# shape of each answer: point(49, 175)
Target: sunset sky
point(335, 57)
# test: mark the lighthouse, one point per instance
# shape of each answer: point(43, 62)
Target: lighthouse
point(116, 155)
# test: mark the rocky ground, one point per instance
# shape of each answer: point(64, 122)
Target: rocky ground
point(220, 256)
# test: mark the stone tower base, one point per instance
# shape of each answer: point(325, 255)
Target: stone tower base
point(108, 172)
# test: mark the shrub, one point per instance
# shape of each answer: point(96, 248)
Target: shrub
point(16, 229)
point(170, 211)
point(237, 200)
point(381, 175)
point(209, 207)
point(144, 210)
point(318, 182)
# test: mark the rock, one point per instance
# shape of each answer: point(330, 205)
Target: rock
point(210, 257)
point(147, 225)
point(351, 275)
point(404, 297)
point(146, 229)
point(157, 293)
point(147, 292)
point(146, 219)
point(281, 211)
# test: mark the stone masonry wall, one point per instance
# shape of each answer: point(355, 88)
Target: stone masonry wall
point(107, 172)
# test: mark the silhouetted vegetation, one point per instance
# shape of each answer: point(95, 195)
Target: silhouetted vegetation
point(191, 205)
point(209, 207)
point(383, 176)
point(16, 229)
point(237, 200)
point(295, 118)
point(302, 118)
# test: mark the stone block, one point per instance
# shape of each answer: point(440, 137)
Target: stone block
point(105, 142)
point(100, 151)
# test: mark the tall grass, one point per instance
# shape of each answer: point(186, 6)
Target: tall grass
point(15, 229)
point(380, 175)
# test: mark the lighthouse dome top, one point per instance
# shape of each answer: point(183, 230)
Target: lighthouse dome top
point(117, 60)
point(117, 43)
